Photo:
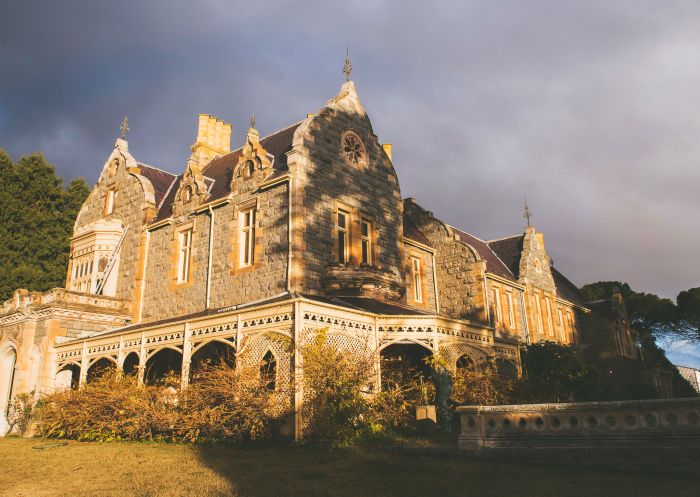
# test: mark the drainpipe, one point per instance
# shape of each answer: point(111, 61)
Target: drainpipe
point(143, 277)
point(290, 183)
point(527, 325)
point(435, 287)
point(486, 300)
point(211, 245)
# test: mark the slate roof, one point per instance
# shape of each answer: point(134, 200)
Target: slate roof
point(220, 170)
point(509, 250)
point(161, 180)
point(410, 230)
point(494, 264)
point(567, 290)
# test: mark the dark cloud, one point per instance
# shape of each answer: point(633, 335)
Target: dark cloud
point(587, 108)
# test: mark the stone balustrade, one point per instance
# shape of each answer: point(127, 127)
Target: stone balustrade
point(668, 424)
point(23, 299)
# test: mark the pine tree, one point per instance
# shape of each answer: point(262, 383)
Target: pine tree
point(36, 222)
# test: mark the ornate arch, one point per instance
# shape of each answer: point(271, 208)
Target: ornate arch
point(452, 352)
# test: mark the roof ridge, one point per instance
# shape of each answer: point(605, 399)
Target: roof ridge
point(466, 233)
point(503, 238)
point(261, 139)
point(157, 169)
point(165, 195)
point(488, 247)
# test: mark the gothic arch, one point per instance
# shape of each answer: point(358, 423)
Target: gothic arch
point(67, 376)
point(99, 367)
point(8, 359)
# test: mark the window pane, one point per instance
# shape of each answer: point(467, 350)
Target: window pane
point(365, 229)
point(341, 220)
point(341, 247)
point(365, 252)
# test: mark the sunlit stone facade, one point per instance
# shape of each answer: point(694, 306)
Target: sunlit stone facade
point(250, 249)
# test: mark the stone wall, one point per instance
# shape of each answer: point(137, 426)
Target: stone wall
point(329, 180)
point(429, 302)
point(230, 285)
point(460, 275)
point(133, 206)
point(586, 427)
point(504, 329)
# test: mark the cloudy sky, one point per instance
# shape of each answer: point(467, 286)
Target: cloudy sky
point(587, 108)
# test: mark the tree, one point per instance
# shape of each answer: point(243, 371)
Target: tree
point(36, 222)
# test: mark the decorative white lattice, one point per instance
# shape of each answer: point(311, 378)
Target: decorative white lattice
point(451, 352)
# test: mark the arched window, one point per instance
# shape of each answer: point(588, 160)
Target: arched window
point(268, 370)
point(466, 362)
point(187, 194)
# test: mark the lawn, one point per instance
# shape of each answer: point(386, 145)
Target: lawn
point(35, 467)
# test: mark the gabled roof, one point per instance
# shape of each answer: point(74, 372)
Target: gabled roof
point(567, 290)
point(494, 264)
point(220, 170)
point(161, 180)
point(410, 230)
point(509, 250)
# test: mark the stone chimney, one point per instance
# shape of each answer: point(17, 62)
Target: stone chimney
point(388, 150)
point(213, 139)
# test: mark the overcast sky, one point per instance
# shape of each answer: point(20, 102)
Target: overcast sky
point(588, 108)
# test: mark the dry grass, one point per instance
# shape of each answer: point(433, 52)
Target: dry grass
point(135, 469)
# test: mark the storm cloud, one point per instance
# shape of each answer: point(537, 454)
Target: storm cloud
point(587, 108)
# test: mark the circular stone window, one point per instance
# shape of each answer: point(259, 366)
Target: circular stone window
point(352, 149)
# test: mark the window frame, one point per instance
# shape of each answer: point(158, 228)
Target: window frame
point(511, 310)
point(417, 279)
point(184, 254)
point(109, 201)
point(366, 242)
point(540, 321)
point(246, 236)
point(497, 305)
point(550, 320)
point(343, 236)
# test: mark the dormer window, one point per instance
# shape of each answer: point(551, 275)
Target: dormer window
point(109, 202)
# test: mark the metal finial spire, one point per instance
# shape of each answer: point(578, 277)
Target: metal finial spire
point(528, 213)
point(347, 68)
point(252, 120)
point(124, 127)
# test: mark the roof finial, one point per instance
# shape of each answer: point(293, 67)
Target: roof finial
point(124, 127)
point(347, 68)
point(528, 213)
point(252, 120)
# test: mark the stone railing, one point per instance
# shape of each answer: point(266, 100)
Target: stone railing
point(598, 426)
point(23, 299)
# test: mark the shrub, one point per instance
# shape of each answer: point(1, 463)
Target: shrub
point(480, 385)
point(20, 413)
point(222, 404)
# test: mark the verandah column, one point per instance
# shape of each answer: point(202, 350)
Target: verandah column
point(298, 371)
point(83, 364)
point(142, 358)
point(186, 357)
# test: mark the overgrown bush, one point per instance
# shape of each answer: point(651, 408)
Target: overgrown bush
point(20, 413)
point(223, 404)
point(480, 385)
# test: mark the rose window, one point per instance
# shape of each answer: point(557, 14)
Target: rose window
point(352, 149)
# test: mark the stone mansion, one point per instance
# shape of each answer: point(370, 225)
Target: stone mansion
point(300, 230)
